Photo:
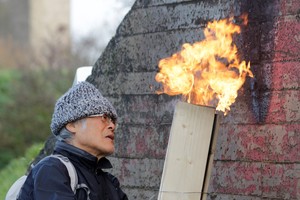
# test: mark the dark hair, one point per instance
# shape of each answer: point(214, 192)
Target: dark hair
point(64, 135)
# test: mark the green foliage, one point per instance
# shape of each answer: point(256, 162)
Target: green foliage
point(26, 105)
point(6, 79)
point(16, 168)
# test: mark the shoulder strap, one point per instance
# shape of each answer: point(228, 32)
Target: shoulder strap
point(73, 174)
point(71, 170)
point(15, 188)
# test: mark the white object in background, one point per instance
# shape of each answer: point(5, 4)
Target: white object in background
point(82, 73)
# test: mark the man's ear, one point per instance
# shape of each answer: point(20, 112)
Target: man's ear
point(71, 127)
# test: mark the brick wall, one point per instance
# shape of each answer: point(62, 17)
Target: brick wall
point(258, 145)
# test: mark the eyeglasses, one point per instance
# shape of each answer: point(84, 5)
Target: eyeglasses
point(106, 118)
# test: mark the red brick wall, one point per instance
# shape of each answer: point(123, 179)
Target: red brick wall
point(258, 149)
point(259, 141)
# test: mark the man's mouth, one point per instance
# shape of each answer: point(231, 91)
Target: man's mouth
point(112, 137)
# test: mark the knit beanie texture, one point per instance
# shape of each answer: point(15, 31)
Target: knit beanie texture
point(81, 100)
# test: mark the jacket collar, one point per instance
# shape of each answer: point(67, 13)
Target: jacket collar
point(79, 155)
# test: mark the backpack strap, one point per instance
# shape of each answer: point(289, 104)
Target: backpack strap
point(72, 174)
point(86, 189)
point(71, 170)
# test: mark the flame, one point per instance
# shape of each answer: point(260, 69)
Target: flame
point(208, 72)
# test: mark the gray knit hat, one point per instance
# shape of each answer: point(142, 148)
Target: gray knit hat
point(81, 100)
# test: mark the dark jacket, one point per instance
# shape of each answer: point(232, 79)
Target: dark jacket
point(49, 179)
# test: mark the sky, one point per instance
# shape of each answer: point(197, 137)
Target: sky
point(96, 19)
point(97, 16)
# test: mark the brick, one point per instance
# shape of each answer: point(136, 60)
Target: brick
point(109, 63)
point(127, 83)
point(250, 45)
point(282, 143)
point(178, 16)
point(278, 75)
point(140, 193)
point(241, 111)
point(141, 173)
point(236, 178)
point(267, 36)
point(134, 109)
point(141, 53)
point(263, 180)
point(283, 107)
point(137, 141)
point(289, 7)
point(262, 79)
point(286, 75)
point(280, 181)
point(287, 40)
point(272, 143)
point(283, 41)
point(137, 83)
point(249, 107)
point(260, 11)
point(292, 106)
point(264, 107)
point(107, 84)
point(244, 142)
point(230, 197)
point(166, 106)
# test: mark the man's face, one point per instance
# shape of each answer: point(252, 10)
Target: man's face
point(94, 135)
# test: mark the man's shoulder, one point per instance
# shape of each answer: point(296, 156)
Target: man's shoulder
point(48, 160)
point(49, 164)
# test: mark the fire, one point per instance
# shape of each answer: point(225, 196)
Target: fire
point(208, 72)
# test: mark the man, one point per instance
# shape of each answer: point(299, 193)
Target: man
point(84, 122)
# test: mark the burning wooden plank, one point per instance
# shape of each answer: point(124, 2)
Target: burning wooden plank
point(210, 73)
point(187, 163)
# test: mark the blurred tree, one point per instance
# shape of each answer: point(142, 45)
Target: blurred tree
point(30, 83)
point(29, 89)
point(16, 168)
point(27, 106)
